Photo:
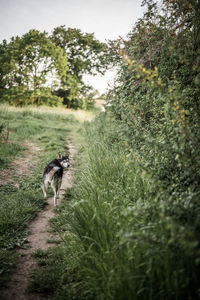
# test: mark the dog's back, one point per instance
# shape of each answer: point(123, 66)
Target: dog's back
point(51, 169)
point(53, 173)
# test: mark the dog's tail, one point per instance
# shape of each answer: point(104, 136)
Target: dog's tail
point(52, 172)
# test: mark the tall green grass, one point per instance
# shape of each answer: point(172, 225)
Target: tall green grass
point(119, 239)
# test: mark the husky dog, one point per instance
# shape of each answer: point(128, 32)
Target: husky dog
point(53, 175)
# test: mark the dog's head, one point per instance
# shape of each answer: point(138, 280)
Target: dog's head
point(63, 160)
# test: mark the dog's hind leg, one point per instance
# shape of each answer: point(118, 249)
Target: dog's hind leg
point(56, 183)
point(55, 190)
point(44, 188)
point(55, 198)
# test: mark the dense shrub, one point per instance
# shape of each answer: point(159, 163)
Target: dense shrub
point(156, 103)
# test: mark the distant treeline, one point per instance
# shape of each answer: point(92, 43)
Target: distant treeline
point(41, 68)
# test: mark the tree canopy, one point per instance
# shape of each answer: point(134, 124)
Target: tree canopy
point(86, 55)
point(38, 68)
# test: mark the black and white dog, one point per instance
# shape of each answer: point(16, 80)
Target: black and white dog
point(53, 175)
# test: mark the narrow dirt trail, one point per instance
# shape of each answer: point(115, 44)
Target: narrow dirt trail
point(38, 239)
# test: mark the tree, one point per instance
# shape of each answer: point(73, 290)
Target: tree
point(33, 67)
point(86, 55)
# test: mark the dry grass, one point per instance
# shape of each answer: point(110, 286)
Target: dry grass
point(80, 115)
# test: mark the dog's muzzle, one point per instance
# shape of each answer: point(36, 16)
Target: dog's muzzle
point(66, 165)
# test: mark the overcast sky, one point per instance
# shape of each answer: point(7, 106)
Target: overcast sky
point(107, 19)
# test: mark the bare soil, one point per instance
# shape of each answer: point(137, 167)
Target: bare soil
point(38, 239)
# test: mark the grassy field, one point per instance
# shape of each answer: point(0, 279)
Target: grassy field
point(47, 131)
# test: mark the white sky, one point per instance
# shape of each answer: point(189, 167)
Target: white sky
point(107, 19)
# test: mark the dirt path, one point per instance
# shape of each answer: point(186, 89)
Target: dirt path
point(38, 239)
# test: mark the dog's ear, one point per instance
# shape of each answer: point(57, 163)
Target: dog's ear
point(60, 155)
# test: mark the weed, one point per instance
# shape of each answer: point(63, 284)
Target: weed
point(8, 260)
